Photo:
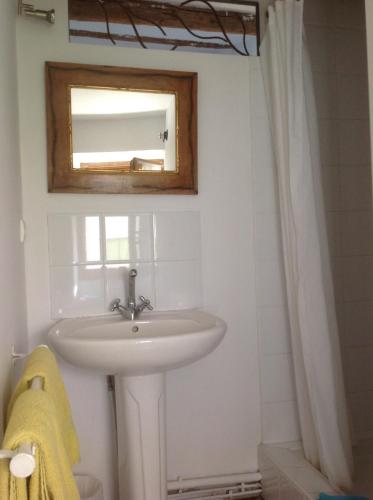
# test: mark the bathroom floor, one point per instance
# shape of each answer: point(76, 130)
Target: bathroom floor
point(363, 454)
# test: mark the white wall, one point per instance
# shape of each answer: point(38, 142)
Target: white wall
point(12, 298)
point(213, 405)
point(117, 134)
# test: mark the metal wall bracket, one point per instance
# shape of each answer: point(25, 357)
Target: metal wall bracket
point(30, 10)
point(20, 355)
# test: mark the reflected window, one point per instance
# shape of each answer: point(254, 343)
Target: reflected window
point(117, 241)
point(92, 239)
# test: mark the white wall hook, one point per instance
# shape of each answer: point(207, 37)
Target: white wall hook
point(17, 355)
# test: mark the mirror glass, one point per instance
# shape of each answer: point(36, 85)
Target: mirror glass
point(125, 131)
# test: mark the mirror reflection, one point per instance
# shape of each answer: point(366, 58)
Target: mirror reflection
point(126, 237)
point(123, 130)
point(106, 238)
point(92, 248)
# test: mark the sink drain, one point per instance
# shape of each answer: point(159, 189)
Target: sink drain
point(135, 329)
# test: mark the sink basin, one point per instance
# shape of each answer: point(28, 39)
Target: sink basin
point(139, 353)
point(153, 343)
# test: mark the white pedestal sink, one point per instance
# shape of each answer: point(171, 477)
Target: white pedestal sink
point(139, 353)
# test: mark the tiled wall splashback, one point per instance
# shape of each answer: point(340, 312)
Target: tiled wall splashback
point(90, 256)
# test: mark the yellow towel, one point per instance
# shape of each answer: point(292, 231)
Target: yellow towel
point(42, 363)
point(33, 419)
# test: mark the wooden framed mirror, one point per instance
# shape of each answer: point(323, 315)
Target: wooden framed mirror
point(121, 130)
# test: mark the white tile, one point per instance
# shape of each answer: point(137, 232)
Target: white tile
point(328, 138)
point(356, 233)
point(326, 95)
point(268, 244)
point(285, 457)
point(265, 190)
point(289, 491)
point(357, 278)
point(354, 142)
point(362, 420)
point(73, 239)
point(308, 479)
point(331, 187)
point(337, 265)
point(349, 13)
point(334, 232)
point(357, 319)
point(129, 237)
point(178, 285)
point(351, 52)
point(364, 448)
point(116, 281)
point(363, 484)
point(274, 330)
point(265, 465)
point(353, 97)
point(356, 188)
point(280, 422)
point(321, 44)
point(270, 479)
point(340, 311)
point(177, 236)
point(296, 475)
point(359, 369)
point(319, 12)
point(270, 283)
point(277, 378)
point(77, 291)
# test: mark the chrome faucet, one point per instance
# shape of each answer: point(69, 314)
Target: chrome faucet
point(131, 310)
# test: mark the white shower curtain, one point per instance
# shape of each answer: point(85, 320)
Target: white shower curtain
point(315, 345)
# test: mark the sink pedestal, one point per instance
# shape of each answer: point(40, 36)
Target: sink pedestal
point(140, 406)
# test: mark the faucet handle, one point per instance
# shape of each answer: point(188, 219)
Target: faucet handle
point(145, 303)
point(114, 305)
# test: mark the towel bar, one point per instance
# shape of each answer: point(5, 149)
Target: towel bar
point(22, 460)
